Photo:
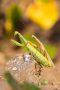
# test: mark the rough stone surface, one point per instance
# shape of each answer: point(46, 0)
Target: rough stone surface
point(24, 70)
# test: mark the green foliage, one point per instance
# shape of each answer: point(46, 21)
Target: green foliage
point(28, 37)
point(16, 86)
point(14, 14)
point(51, 49)
point(30, 86)
point(13, 83)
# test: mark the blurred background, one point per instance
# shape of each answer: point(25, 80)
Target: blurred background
point(38, 17)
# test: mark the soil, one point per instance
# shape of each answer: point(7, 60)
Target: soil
point(30, 71)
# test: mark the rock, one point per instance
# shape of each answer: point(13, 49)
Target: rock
point(23, 69)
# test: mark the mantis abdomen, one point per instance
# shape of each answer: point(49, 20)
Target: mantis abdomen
point(38, 56)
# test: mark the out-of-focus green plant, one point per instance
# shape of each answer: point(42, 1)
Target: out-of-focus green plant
point(30, 86)
point(13, 83)
point(51, 49)
point(16, 86)
point(14, 15)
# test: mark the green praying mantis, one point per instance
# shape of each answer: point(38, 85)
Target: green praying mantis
point(40, 55)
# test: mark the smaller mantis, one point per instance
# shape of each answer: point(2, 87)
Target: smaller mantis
point(41, 55)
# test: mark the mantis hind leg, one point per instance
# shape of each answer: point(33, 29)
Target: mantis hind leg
point(42, 48)
point(40, 45)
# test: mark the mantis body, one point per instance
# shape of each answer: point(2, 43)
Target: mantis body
point(41, 56)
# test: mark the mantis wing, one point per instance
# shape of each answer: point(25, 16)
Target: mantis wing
point(42, 48)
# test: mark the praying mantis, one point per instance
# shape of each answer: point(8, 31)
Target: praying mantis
point(40, 55)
